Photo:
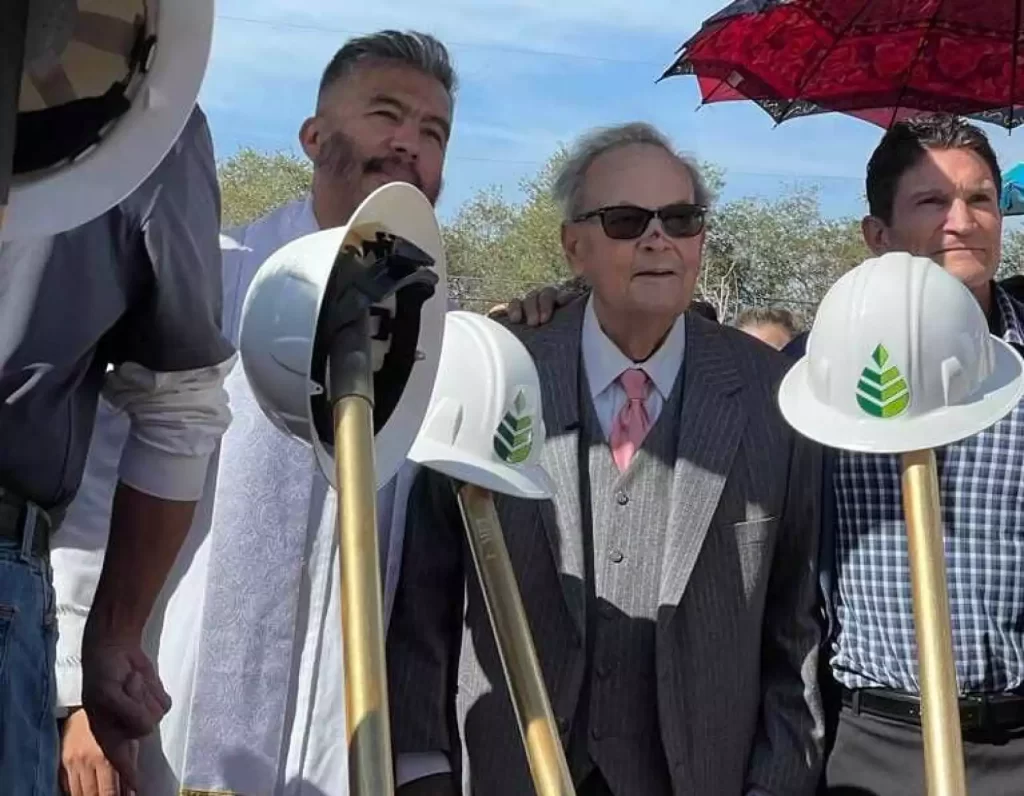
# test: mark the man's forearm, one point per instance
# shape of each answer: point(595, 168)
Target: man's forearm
point(146, 534)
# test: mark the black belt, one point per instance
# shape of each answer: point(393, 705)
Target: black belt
point(981, 712)
point(18, 516)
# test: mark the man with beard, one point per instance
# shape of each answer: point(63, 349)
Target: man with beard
point(257, 696)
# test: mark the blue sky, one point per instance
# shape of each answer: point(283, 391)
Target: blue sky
point(534, 73)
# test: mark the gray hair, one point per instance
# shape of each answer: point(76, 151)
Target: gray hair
point(570, 178)
point(421, 51)
point(768, 316)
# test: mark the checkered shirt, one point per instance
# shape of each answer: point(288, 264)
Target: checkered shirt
point(981, 480)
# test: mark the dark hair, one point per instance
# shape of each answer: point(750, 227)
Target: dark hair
point(420, 51)
point(768, 316)
point(704, 309)
point(903, 146)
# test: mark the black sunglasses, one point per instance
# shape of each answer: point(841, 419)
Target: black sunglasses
point(627, 222)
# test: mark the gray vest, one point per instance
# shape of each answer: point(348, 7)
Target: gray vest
point(625, 519)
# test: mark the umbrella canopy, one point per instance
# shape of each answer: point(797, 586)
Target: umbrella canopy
point(880, 60)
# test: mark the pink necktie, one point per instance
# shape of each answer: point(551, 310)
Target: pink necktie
point(632, 423)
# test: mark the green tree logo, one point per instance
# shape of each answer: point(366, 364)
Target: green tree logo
point(882, 391)
point(514, 437)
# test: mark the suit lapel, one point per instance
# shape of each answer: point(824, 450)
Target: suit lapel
point(556, 351)
point(711, 424)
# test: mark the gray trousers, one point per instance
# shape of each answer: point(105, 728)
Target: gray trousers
point(878, 757)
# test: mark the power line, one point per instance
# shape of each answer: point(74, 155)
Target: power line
point(270, 23)
point(526, 51)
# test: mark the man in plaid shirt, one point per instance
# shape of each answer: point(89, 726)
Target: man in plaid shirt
point(933, 189)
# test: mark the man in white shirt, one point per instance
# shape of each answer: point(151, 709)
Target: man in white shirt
point(670, 582)
point(258, 701)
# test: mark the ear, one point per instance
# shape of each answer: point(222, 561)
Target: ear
point(572, 245)
point(310, 137)
point(876, 235)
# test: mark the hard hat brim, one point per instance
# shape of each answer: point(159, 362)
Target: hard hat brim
point(88, 187)
point(404, 211)
point(812, 418)
point(531, 483)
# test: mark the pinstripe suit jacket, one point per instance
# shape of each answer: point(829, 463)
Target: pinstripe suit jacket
point(737, 630)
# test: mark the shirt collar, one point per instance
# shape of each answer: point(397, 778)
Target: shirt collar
point(1010, 322)
point(603, 360)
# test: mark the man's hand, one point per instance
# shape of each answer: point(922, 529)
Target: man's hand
point(124, 700)
point(84, 771)
point(536, 307)
point(437, 785)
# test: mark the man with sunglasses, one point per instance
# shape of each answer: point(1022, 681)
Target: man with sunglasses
point(670, 583)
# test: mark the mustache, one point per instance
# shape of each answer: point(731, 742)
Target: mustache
point(390, 165)
point(338, 157)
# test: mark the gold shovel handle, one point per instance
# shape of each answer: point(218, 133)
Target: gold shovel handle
point(515, 644)
point(940, 713)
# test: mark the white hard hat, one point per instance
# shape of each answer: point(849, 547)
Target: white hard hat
point(900, 359)
point(485, 425)
point(106, 90)
point(281, 318)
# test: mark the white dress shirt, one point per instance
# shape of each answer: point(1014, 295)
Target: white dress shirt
point(603, 362)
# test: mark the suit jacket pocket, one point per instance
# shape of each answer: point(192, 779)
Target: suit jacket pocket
point(750, 544)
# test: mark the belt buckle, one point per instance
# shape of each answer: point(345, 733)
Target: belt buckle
point(974, 713)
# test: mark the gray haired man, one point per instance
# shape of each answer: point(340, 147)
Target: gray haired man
point(670, 583)
point(247, 635)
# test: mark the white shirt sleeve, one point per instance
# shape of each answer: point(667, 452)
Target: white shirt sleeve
point(176, 421)
point(411, 767)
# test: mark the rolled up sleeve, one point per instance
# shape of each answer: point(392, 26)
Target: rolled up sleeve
point(169, 353)
point(176, 421)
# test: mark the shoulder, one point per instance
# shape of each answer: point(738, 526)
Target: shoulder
point(753, 359)
point(566, 322)
point(188, 165)
point(1014, 286)
point(797, 346)
point(275, 226)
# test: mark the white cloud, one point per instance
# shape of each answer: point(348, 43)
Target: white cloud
point(534, 73)
point(534, 24)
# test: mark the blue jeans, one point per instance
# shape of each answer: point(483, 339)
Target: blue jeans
point(28, 640)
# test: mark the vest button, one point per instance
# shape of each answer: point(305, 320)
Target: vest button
point(602, 670)
point(616, 556)
point(622, 498)
point(595, 733)
point(563, 725)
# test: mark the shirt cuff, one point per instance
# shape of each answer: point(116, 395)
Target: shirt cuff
point(68, 664)
point(418, 765)
point(162, 475)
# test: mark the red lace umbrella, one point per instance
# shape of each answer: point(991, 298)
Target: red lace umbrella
point(880, 60)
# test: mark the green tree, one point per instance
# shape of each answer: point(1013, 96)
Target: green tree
point(1013, 253)
point(252, 183)
point(497, 249)
point(780, 251)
